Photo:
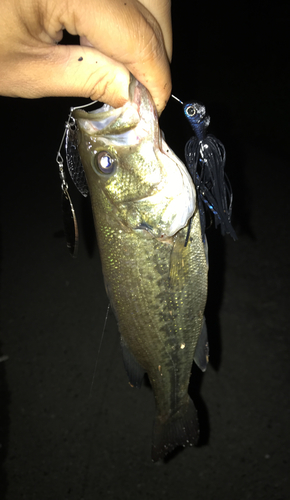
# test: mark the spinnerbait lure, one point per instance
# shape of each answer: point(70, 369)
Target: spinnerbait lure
point(77, 174)
point(205, 157)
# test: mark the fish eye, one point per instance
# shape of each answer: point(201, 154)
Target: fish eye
point(104, 162)
point(190, 111)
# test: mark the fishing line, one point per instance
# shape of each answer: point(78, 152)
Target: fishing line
point(176, 98)
point(99, 350)
point(91, 419)
point(72, 235)
point(72, 232)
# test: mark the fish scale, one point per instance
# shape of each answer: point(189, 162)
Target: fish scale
point(142, 202)
point(172, 311)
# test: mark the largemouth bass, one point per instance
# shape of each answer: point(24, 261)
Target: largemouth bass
point(143, 199)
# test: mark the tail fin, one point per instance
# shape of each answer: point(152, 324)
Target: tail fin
point(180, 429)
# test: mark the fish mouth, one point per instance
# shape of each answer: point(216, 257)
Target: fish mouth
point(141, 98)
point(140, 114)
point(125, 126)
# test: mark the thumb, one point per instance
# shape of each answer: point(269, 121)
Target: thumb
point(66, 70)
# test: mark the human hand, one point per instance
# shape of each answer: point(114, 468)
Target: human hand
point(117, 37)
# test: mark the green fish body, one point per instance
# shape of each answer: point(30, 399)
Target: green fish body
point(142, 200)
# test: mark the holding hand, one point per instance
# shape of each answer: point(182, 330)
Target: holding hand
point(117, 37)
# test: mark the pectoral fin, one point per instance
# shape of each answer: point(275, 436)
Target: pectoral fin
point(201, 353)
point(134, 371)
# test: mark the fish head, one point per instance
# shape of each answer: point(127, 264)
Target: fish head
point(132, 174)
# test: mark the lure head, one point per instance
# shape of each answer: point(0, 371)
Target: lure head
point(195, 112)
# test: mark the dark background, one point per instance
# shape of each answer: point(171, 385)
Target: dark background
point(72, 430)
